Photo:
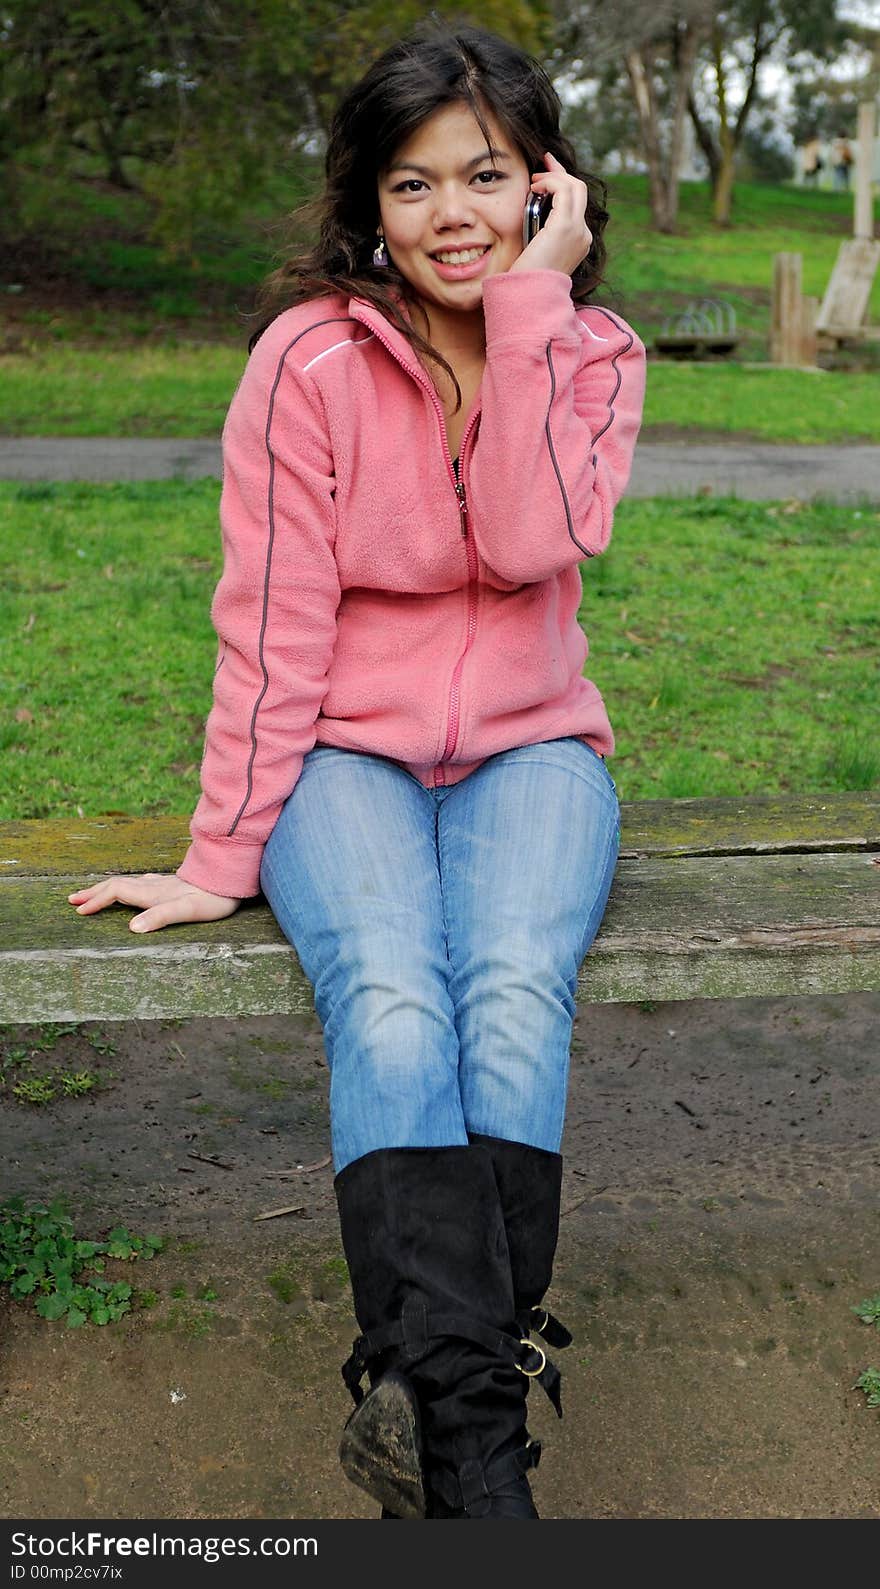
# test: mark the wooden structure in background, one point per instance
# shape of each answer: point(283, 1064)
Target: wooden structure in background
point(843, 314)
point(864, 214)
point(799, 325)
point(793, 318)
point(844, 310)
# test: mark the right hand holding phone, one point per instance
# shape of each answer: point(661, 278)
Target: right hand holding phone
point(564, 238)
point(164, 899)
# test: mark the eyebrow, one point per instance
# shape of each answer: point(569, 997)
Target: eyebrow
point(425, 171)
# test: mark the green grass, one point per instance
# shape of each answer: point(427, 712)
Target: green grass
point(141, 391)
point(735, 644)
point(106, 642)
point(771, 403)
point(185, 391)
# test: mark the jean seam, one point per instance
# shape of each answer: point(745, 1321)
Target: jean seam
point(439, 863)
point(607, 882)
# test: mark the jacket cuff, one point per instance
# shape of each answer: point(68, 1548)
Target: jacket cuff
point(222, 866)
point(529, 306)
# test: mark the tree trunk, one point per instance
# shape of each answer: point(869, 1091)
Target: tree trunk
point(722, 201)
point(721, 152)
point(663, 164)
point(109, 132)
point(685, 41)
point(639, 65)
point(706, 142)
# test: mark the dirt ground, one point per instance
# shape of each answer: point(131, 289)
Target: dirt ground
point(721, 1219)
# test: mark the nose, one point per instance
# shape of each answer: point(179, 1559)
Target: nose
point(453, 206)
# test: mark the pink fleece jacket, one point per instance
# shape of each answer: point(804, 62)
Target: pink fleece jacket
point(370, 601)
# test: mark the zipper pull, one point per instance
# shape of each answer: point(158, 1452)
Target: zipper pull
point(462, 507)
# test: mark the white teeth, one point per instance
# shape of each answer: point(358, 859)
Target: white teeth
point(465, 257)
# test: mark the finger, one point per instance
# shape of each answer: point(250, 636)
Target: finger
point(87, 900)
point(568, 192)
point(116, 891)
point(91, 890)
point(149, 920)
point(164, 914)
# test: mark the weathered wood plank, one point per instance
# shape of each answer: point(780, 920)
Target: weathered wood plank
point(846, 296)
point(689, 927)
point(753, 824)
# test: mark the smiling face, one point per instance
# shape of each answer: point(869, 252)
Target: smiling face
point(442, 195)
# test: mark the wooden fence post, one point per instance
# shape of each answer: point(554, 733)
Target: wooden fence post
point(809, 341)
point(864, 211)
point(785, 330)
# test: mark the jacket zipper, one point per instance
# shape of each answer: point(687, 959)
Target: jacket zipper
point(455, 687)
point(470, 550)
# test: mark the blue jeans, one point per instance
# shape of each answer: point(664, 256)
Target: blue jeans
point(442, 931)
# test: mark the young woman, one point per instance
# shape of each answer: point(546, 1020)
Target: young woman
point(403, 754)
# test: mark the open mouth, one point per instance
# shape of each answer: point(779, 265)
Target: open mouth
point(461, 256)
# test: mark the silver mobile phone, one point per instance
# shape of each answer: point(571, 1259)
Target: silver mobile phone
point(538, 207)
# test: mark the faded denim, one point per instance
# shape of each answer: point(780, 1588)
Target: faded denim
point(442, 931)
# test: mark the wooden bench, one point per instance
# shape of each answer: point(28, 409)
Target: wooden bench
point(711, 899)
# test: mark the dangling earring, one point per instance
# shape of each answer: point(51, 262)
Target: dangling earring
point(380, 254)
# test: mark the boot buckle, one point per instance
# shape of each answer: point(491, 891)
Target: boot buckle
point(533, 1373)
point(542, 1320)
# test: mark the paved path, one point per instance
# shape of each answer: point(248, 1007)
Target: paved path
point(749, 470)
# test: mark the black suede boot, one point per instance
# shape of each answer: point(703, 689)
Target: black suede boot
point(530, 1187)
point(423, 1232)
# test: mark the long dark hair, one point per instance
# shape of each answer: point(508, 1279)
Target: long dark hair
point(435, 65)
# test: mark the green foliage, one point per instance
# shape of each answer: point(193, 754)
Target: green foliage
point(869, 1382)
point(19, 1060)
point(40, 1257)
point(34, 1090)
point(869, 1310)
point(199, 107)
point(185, 102)
point(74, 1085)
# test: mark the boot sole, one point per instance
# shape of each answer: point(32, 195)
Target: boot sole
point(380, 1449)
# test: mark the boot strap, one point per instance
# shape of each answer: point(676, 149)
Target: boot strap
point(545, 1324)
point(472, 1486)
point(417, 1327)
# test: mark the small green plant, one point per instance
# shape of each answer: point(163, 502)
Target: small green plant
point(869, 1310)
point(41, 1257)
point(285, 1283)
point(40, 1088)
point(101, 1043)
point(74, 1083)
point(34, 1089)
point(869, 1382)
